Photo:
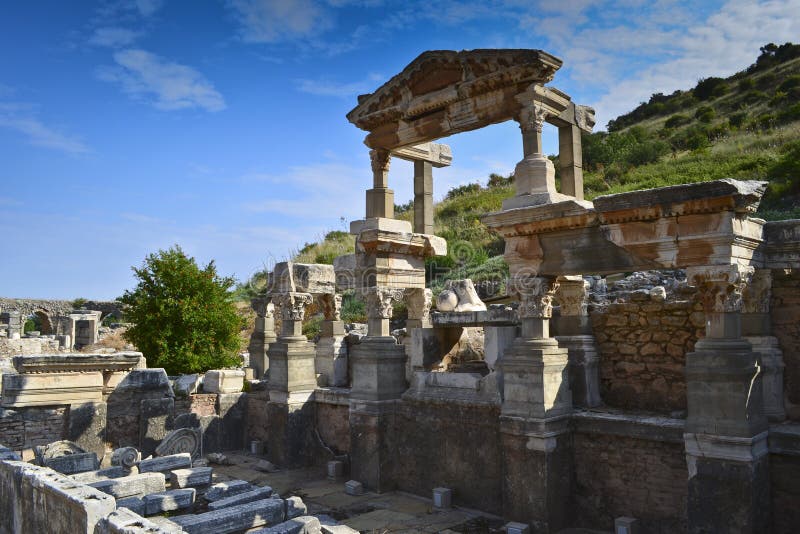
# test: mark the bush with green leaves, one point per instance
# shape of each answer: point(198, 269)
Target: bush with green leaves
point(183, 316)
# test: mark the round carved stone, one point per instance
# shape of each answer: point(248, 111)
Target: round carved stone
point(178, 441)
point(125, 457)
point(55, 450)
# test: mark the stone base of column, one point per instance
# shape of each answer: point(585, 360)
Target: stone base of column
point(771, 357)
point(291, 441)
point(291, 365)
point(372, 441)
point(380, 203)
point(331, 362)
point(378, 365)
point(584, 381)
point(537, 472)
point(728, 484)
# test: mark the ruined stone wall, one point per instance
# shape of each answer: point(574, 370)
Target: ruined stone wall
point(454, 445)
point(56, 307)
point(257, 421)
point(785, 314)
point(333, 425)
point(784, 489)
point(623, 476)
point(24, 428)
point(202, 404)
point(643, 343)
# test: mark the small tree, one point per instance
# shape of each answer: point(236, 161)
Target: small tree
point(183, 316)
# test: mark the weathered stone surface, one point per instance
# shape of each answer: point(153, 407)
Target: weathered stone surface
point(290, 277)
point(233, 519)
point(153, 380)
point(102, 474)
point(134, 504)
point(182, 440)
point(459, 296)
point(223, 381)
point(132, 486)
point(354, 487)
point(236, 499)
point(297, 525)
point(337, 529)
point(45, 389)
point(76, 362)
point(223, 490)
point(295, 507)
point(187, 384)
point(73, 463)
point(126, 521)
point(194, 477)
point(153, 423)
point(168, 501)
point(86, 426)
point(8, 454)
point(125, 457)
point(164, 464)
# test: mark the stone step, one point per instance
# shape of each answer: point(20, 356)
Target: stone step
point(134, 504)
point(191, 478)
point(132, 486)
point(168, 501)
point(224, 490)
point(242, 498)
point(164, 464)
point(233, 519)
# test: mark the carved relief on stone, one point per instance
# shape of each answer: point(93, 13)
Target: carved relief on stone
point(263, 307)
point(380, 160)
point(292, 306)
point(572, 296)
point(379, 301)
point(720, 287)
point(331, 304)
point(180, 441)
point(126, 457)
point(535, 294)
point(56, 449)
point(755, 298)
point(418, 302)
point(532, 117)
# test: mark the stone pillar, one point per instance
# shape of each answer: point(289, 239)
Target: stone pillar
point(757, 330)
point(292, 380)
point(418, 302)
point(574, 333)
point(380, 199)
point(535, 412)
point(570, 159)
point(263, 335)
point(423, 197)
point(331, 361)
point(726, 430)
point(378, 382)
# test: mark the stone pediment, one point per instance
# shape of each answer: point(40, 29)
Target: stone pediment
point(443, 92)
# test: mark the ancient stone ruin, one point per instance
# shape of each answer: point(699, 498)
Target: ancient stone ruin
point(641, 373)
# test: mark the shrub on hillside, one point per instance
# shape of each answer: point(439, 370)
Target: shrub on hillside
point(677, 120)
point(706, 88)
point(463, 190)
point(705, 114)
point(183, 316)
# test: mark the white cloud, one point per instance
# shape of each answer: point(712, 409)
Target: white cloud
point(113, 37)
point(342, 90)
point(39, 134)
point(269, 21)
point(167, 85)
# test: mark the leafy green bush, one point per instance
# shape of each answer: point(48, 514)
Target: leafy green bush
point(790, 83)
point(463, 190)
point(79, 303)
point(754, 97)
point(738, 119)
point(183, 316)
point(647, 152)
point(706, 87)
point(746, 84)
point(677, 120)
point(353, 308)
point(705, 114)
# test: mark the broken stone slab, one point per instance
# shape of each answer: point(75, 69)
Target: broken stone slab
point(76, 362)
point(299, 525)
point(223, 490)
point(127, 521)
point(164, 464)
point(459, 296)
point(73, 463)
point(314, 278)
point(179, 441)
point(130, 486)
point(223, 381)
point(168, 501)
point(134, 504)
point(146, 380)
point(56, 449)
point(354, 487)
point(295, 507)
point(115, 471)
point(8, 454)
point(233, 519)
point(186, 384)
point(191, 478)
point(242, 498)
point(442, 498)
point(125, 457)
point(337, 529)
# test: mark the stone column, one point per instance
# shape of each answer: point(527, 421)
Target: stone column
point(418, 302)
point(570, 160)
point(423, 197)
point(534, 418)
point(726, 430)
point(291, 385)
point(380, 199)
point(263, 334)
point(331, 361)
point(574, 333)
point(757, 330)
point(378, 382)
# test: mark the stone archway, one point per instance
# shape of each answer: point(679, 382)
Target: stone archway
point(45, 325)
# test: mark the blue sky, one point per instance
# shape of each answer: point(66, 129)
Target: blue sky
point(129, 126)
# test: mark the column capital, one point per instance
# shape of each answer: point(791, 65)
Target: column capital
point(263, 306)
point(418, 302)
point(379, 301)
point(535, 294)
point(720, 286)
point(331, 306)
point(572, 296)
point(531, 117)
point(757, 293)
point(380, 158)
point(292, 306)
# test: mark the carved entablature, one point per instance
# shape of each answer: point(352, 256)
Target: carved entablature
point(263, 307)
point(720, 286)
point(292, 306)
point(443, 92)
point(380, 301)
point(535, 295)
point(76, 363)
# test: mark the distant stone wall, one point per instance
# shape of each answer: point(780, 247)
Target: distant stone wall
point(623, 476)
point(56, 307)
point(785, 315)
point(25, 428)
point(643, 344)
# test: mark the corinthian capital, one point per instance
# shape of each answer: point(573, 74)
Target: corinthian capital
point(535, 294)
point(720, 286)
point(263, 307)
point(292, 306)
point(379, 301)
point(531, 117)
point(418, 302)
point(756, 296)
point(572, 296)
point(380, 160)
point(331, 306)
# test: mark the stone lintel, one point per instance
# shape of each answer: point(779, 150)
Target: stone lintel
point(731, 448)
point(438, 155)
point(494, 315)
point(314, 278)
point(76, 362)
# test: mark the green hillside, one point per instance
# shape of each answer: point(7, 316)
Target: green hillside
point(744, 127)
